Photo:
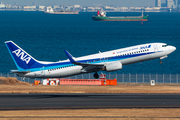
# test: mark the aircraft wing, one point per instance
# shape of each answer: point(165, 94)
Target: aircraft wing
point(81, 64)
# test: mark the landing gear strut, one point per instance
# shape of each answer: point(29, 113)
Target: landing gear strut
point(160, 61)
point(96, 76)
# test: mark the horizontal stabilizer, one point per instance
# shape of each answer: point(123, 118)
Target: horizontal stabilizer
point(16, 71)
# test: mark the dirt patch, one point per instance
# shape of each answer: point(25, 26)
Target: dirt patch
point(89, 114)
point(87, 89)
point(11, 81)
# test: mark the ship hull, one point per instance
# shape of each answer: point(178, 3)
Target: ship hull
point(100, 18)
point(61, 12)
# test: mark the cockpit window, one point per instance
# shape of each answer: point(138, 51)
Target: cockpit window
point(164, 45)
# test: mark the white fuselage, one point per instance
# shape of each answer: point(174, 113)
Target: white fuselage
point(126, 56)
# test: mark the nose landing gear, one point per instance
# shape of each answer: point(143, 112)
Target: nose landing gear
point(96, 76)
point(162, 58)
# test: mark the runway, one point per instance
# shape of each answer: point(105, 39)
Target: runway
point(87, 101)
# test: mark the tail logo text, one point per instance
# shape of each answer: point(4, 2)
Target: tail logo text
point(22, 55)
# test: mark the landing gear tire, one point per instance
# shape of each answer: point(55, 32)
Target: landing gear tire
point(160, 62)
point(96, 76)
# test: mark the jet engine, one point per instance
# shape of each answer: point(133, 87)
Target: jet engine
point(113, 66)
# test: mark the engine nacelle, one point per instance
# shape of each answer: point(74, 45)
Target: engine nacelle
point(113, 66)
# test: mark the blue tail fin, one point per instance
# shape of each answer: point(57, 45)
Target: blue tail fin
point(21, 58)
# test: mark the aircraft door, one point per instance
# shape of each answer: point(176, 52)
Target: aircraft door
point(42, 71)
point(155, 48)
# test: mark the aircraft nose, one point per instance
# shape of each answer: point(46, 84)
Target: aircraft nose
point(172, 48)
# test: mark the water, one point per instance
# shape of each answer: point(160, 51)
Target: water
point(46, 36)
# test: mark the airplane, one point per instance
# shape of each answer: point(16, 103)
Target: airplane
point(103, 61)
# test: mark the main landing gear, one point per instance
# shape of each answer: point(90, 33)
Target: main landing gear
point(160, 61)
point(96, 76)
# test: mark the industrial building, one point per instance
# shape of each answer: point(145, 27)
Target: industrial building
point(173, 4)
point(157, 3)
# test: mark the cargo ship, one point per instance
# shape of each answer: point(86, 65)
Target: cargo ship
point(101, 16)
point(51, 11)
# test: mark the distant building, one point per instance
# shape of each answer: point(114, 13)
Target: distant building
point(69, 7)
point(164, 3)
point(153, 9)
point(41, 7)
point(93, 9)
point(77, 6)
point(123, 9)
point(109, 8)
point(14, 6)
point(84, 10)
point(29, 7)
point(8, 6)
point(176, 2)
point(170, 4)
point(157, 3)
point(56, 6)
point(2, 5)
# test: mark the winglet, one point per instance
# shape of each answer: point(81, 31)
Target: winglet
point(70, 57)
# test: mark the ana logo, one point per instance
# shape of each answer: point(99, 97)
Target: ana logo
point(144, 47)
point(22, 55)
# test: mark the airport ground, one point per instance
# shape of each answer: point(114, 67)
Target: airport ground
point(12, 85)
point(167, 113)
point(120, 88)
point(92, 114)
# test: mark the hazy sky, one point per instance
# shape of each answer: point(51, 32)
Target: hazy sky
point(83, 2)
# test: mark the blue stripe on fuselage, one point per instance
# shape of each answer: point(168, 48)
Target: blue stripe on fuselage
point(89, 61)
